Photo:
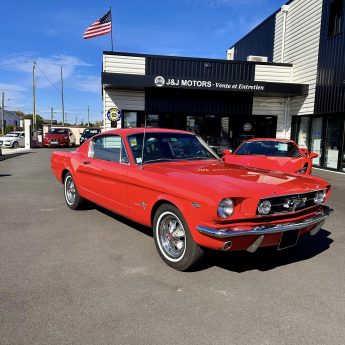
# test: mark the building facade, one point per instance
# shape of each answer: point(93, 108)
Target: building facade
point(225, 102)
point(11, 118)
point(310, 36)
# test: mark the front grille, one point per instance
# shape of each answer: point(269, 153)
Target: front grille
point(291, 203)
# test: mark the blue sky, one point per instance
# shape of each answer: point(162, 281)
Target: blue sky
point(50, 32)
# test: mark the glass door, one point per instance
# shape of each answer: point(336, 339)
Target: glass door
point(316, 139)
point(333, 142)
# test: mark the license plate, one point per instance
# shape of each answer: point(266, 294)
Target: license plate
point(54, 142)
point(288, 239)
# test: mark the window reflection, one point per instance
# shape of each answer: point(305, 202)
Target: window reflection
point(316, 139)
point(332, 142)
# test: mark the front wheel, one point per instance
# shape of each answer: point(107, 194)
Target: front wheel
point(15, 145)
point(173, 239)
point(72, 197)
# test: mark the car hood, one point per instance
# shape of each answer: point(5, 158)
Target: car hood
point(8, 138)
point(287, 164)
point(234, 179)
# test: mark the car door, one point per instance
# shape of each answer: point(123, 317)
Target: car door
point(103, 175)
point(22, 140)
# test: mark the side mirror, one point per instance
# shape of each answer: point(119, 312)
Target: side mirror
point(70, 134)
point(226, 152)
point(304, 151)
point(313, 155)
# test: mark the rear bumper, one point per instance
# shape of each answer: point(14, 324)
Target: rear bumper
point(224, 233)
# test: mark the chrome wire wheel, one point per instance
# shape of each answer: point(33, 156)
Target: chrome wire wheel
point(70, 190)
point(171, 236)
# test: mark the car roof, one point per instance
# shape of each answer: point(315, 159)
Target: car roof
point(129, 131)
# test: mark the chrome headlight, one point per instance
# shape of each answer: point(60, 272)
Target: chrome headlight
point(264, 207)
point(226, 208)
point(320, 197)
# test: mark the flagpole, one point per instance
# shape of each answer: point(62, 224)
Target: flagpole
point(112, 44)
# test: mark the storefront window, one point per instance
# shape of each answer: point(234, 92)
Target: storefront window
point(130, 119)
point(332, 142)
point(315, 142)
point(303, 132)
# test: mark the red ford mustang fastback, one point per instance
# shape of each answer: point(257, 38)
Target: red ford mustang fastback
point(170, 180)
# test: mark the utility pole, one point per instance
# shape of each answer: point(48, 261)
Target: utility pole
point(62, 101)
point(34, 95)
point(88, 116)
point(3, 114)
point(51, 116)
point(76, 119)
point(65, 119)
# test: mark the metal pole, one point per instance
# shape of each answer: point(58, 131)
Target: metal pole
point(34, 95)
point(88, 116)
point(111, 32)
point(3, 114)
point(51, 116)
point(62, 101)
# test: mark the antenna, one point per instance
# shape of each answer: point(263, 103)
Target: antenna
point(142, 149)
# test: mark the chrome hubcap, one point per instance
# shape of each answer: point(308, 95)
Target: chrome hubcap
point(172, 236)
point(70, 190)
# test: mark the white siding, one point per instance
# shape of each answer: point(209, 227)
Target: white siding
point(124, 100)
point(124, 64)
point(274, 106)
point(301, 48)
point(275, 74)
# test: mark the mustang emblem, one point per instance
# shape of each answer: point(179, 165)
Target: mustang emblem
point(294, 203)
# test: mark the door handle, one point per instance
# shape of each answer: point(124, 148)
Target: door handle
point(86, 162)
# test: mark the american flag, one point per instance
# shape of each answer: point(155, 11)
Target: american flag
point(100, 27)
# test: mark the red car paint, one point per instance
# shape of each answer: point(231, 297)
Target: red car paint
point(285, 164)
point(194, 187)
point(59, 139)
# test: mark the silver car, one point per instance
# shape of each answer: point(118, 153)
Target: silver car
point(13, 139)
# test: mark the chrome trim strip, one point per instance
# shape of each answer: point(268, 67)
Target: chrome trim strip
point(264, 230)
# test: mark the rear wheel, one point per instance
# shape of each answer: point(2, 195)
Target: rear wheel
point(173, 239)
point(72, 197)
point(15, 145)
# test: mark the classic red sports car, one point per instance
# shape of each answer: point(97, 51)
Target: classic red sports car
point(272, 154)
point(172, 181)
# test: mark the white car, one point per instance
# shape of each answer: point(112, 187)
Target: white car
point(13, 139)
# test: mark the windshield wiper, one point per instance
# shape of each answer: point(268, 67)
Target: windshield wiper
point(164, 160)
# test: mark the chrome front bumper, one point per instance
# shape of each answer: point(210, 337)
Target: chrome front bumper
point(265, 230)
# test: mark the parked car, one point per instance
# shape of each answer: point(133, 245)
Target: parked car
point(59, 137)
point(88, 133)
point(272, 154)
point(13, 139)
point(172, 181)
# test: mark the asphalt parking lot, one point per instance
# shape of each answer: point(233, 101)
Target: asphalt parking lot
point(91, 277)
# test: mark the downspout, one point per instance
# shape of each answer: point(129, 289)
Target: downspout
point(284, 10)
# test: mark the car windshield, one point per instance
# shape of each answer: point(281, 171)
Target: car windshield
point(160, 147)
point(268, 148)
point(13, 134)
point(58, 131)
point(91, 131)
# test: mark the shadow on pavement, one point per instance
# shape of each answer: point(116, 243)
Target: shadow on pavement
point(264, 259)
point(12, 155)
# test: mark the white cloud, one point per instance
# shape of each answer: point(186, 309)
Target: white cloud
point(86, 83)
point(14, 94)
point(48, 69)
